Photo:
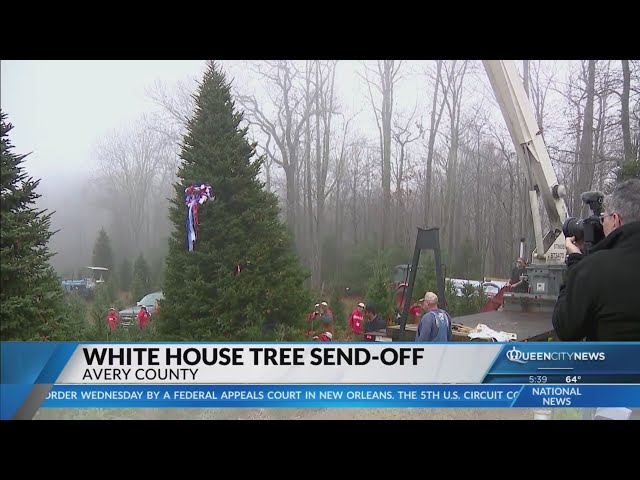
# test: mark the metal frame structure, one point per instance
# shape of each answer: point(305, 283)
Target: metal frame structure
point(427, 239)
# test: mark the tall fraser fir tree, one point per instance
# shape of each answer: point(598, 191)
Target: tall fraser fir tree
point(243, 280)
point(31, 297)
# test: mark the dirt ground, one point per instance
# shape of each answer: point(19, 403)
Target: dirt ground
point(284, 414)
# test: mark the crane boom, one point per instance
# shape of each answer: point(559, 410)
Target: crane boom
point(545, 273)
point(527, 138)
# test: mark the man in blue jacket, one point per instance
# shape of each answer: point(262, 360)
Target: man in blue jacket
point(435, 325)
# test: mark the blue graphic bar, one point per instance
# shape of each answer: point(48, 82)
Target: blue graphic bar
point(561, 359)
point(537, 374)
point(550, 379)
point(342, 396)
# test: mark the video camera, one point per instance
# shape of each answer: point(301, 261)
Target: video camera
point(588, 229)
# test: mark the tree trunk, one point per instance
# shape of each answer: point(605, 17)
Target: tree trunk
point(387, 111)
point(308, 188)
point(315, 241)
point(433, 130)
point(626, 128)
point(587, 165)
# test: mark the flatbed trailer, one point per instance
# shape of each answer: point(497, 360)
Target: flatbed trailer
point(527, 316)
point(527, 326)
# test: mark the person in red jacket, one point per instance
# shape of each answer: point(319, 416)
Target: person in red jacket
point(143, 317)
point(416, 312)
point(324, 337)
point(356, 319)
point(113, 318)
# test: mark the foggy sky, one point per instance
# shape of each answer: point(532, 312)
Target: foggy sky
point(59, 109)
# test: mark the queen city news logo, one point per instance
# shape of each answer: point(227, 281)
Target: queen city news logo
point(515, 355)
point(518, 356)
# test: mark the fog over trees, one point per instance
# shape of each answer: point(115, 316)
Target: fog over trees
point(359, 155)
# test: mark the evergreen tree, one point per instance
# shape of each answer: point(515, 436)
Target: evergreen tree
point(112, 290)
point(76, 324)
point(205, 296)
point(102, 252)
point(126, 275)
point(627, 170)
point(467, 262)
point(31, 297)
point(425, 277)
point(340, 317)
point(141, 283)
point(379, 291)
point(156, 268)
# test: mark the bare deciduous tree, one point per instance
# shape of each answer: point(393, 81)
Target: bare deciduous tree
point(135, 167)
point(383, 79)
point(624, 113)
point(436, 116)
point(455, 71)
point(176, 104)
point(404, 133)
point(293, 111)
point(586, 165)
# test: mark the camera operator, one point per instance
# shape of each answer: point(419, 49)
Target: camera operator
point(599, 299)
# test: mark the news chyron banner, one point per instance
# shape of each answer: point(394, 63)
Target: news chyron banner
point(318, 375)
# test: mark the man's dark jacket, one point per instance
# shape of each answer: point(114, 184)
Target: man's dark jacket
point(600, 298)
point(376, 323)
